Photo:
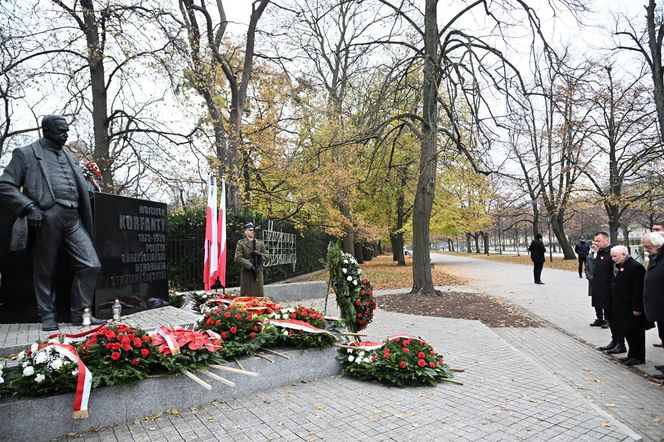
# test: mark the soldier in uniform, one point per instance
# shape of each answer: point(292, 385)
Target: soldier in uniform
point(251, 255)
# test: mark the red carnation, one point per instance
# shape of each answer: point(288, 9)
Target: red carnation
point(373, 358)
point(209, 321)
point(109, 346)
point(134, 362)
point(249, 317)
point(403, 364)
point(432, 364)
point(440, 361)
point(110, 334)
point(233, 329)
point(227, 314)
point(406, 342)
point(420, 355)
point(359, 315)
point(145, 352)
point(126, 346)
point(223, 335)
point(405, 350)
point(421, 362)
point(115, 355)
point(217, 322)
point(238, 316)
point(252, 335)
point(138, 343)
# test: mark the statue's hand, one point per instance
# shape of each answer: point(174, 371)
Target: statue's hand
point(35, 217)
point(255, 253)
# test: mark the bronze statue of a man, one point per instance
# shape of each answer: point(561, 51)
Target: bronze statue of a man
point(44, 187)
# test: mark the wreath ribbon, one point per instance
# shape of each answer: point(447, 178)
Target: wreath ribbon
point(84, 382)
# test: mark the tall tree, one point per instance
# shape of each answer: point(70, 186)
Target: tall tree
point(213, 67)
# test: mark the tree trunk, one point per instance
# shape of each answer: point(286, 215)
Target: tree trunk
point(468, 246)
point(655, 46)
point(476, 238)
point(359, 256)
point(625, 230)
point(95, 57)
point(393, 243)
point(426, 185)
point(559, 232)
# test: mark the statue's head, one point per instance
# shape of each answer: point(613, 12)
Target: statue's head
point(55, 128)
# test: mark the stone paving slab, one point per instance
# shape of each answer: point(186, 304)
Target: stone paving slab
point(621, 391)
point(563, 301)
point(506, 396)
point(15, 337)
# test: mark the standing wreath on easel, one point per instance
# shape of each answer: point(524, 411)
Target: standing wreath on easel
point(354, 292)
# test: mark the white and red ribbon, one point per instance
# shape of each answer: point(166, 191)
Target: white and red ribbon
point(84, 382)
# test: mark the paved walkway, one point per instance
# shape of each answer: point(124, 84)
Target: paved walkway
point(563, 300)
point(506, 396)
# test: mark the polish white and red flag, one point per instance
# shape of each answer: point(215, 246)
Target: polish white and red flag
point(222, 236)
point(211, 260)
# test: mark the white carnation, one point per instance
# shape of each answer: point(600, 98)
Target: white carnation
point(56, 364)
point(41, 357)
point(354, 282)
point(285, 332)
point(20, 356)
point(2, 380)
point(350, 350)
point(345, 261)
point(74, 372)
point(39, 378)
point(285, 316)
point(25, 364)
point(351, 358)
point(345, 270)
point(349, 278)
point(361, 354)
point(28, 371)
point(34, 347)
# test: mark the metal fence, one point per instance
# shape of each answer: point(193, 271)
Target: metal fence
point(185, 261)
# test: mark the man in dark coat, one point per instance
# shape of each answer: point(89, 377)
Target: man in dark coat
point(44, 187)
point(537, 250)
point(251, 255)
point(590, 268)
point(582, 248)
point(627, 304)
point(653, 285)
point(601, 291)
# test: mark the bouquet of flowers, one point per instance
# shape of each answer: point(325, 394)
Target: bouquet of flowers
point(303, 337)
point(353, 291)
point(240, 330)
point(44, 370)
point(118, 354)
point(202, 298)
point(402, 361)
point(91, 171)
point(183, 349)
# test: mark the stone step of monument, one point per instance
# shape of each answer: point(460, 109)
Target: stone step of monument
point(15, 337)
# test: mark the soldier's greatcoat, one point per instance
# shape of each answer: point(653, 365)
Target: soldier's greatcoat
point(250, 285)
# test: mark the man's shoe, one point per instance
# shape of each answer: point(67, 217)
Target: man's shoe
point(540, 283)
point(620, 348)
point(624, 359)
point(607, 347)
point(596, 323)
point(605, 324)
point(633, 361)
point(50, 325)
point(659, 367)
point(93, 321)
point(658, 344)
point(658, 376)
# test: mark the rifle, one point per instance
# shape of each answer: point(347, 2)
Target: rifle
point(256, 260)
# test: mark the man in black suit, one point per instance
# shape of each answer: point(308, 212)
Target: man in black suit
point(44, 187)
point(582, 248)
point(601, 291)
point(537, 250)
point(653, 285)
point(627, 304)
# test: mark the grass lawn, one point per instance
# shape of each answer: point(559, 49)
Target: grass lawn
point(557, 263)
point(385, 274)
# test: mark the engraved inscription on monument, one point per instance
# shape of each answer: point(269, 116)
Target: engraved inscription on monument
point(130, 237)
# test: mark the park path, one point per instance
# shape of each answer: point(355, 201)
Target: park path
point(563, 301)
